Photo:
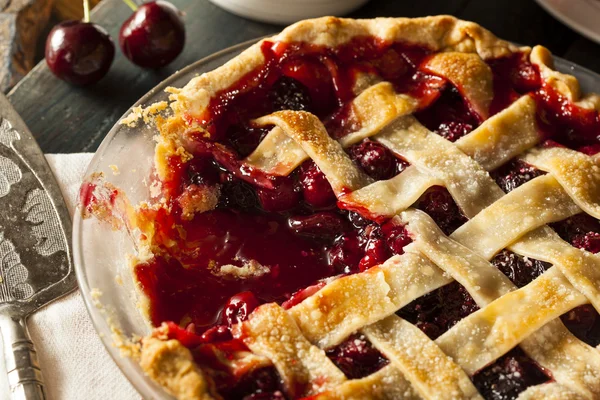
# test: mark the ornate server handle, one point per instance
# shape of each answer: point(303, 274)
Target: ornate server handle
point(24, 374)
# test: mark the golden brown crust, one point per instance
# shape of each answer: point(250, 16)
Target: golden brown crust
point(171, 365)
point(470, 74)
point(565, 84)
point(440, 33)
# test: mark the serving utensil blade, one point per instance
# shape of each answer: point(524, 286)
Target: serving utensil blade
point(35, 255)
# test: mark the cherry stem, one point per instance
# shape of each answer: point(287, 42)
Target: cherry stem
point(131, 5)
point(86, 10)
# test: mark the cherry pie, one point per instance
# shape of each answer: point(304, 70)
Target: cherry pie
point(375, 209)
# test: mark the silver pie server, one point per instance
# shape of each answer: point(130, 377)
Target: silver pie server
point(35, 255)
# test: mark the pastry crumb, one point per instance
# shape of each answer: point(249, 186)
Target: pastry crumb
point(155, 188)
point(251, 269)
point(96, 293)
point(146, 114)
point(198, 199)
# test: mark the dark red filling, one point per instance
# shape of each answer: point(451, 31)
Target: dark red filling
point(449, 116)
point(293, 229)
point(357, 357)
point(440, 310)
point(508, 376)
point(581, 230)
point(520, 270)
point(514, 174)
point(261, 384)
point(376, 160)
point(439, 204)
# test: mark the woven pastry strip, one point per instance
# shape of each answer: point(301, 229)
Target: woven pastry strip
point(580, 267)
point(343, 306)
point(304, 368)
point(386, 384)
point(433, 374)
point(578, 174)
point(530, 206)
point(377, 106)
point(496, 141)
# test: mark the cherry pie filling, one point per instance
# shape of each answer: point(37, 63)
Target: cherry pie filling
point(291, 234)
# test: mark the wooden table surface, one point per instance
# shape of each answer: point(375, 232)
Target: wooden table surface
point(66, 119)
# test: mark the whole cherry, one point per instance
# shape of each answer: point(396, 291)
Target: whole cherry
point(282, 198)
point(316, 188)
point(154, 35)
point(79, 52)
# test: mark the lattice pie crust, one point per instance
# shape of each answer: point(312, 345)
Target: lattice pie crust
point(293, 340)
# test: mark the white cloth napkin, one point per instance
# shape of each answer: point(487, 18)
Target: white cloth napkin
point(74, 362)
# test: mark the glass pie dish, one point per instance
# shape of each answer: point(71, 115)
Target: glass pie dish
point(126, 160)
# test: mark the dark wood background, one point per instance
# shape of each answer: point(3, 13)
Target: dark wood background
point(66, 119)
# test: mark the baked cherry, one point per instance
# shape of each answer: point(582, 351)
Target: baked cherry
point(392, 65)
point(357, 357)
point(266, 396)
point(439, 204)
point(315, 187)
point(584, 322)
point(186, 336)
point(449, 116)
point(202, 171)
point(454, 130)
point(590, 150)
point(589, 241)
point(315, 76)
point(357, 220)
point(79, 52)
point(375, 159)
point(258, 384)
point(526, 78)
point(153, 35)
point(237, 194)
point(219, 333)
point(238, 307)
point(438, 311)
point(376, 250)
point(397, 237)
point(244, 139)
point(520, 270)
point(290, 94)
point(576, 227)
point(283, 197)
point(346, 253)
point(324, 225)
point(508, 376)
point(514, 174)
point(431, 330)
point(581, 230)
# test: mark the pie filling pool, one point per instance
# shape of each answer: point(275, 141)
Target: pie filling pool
point(279, 239)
